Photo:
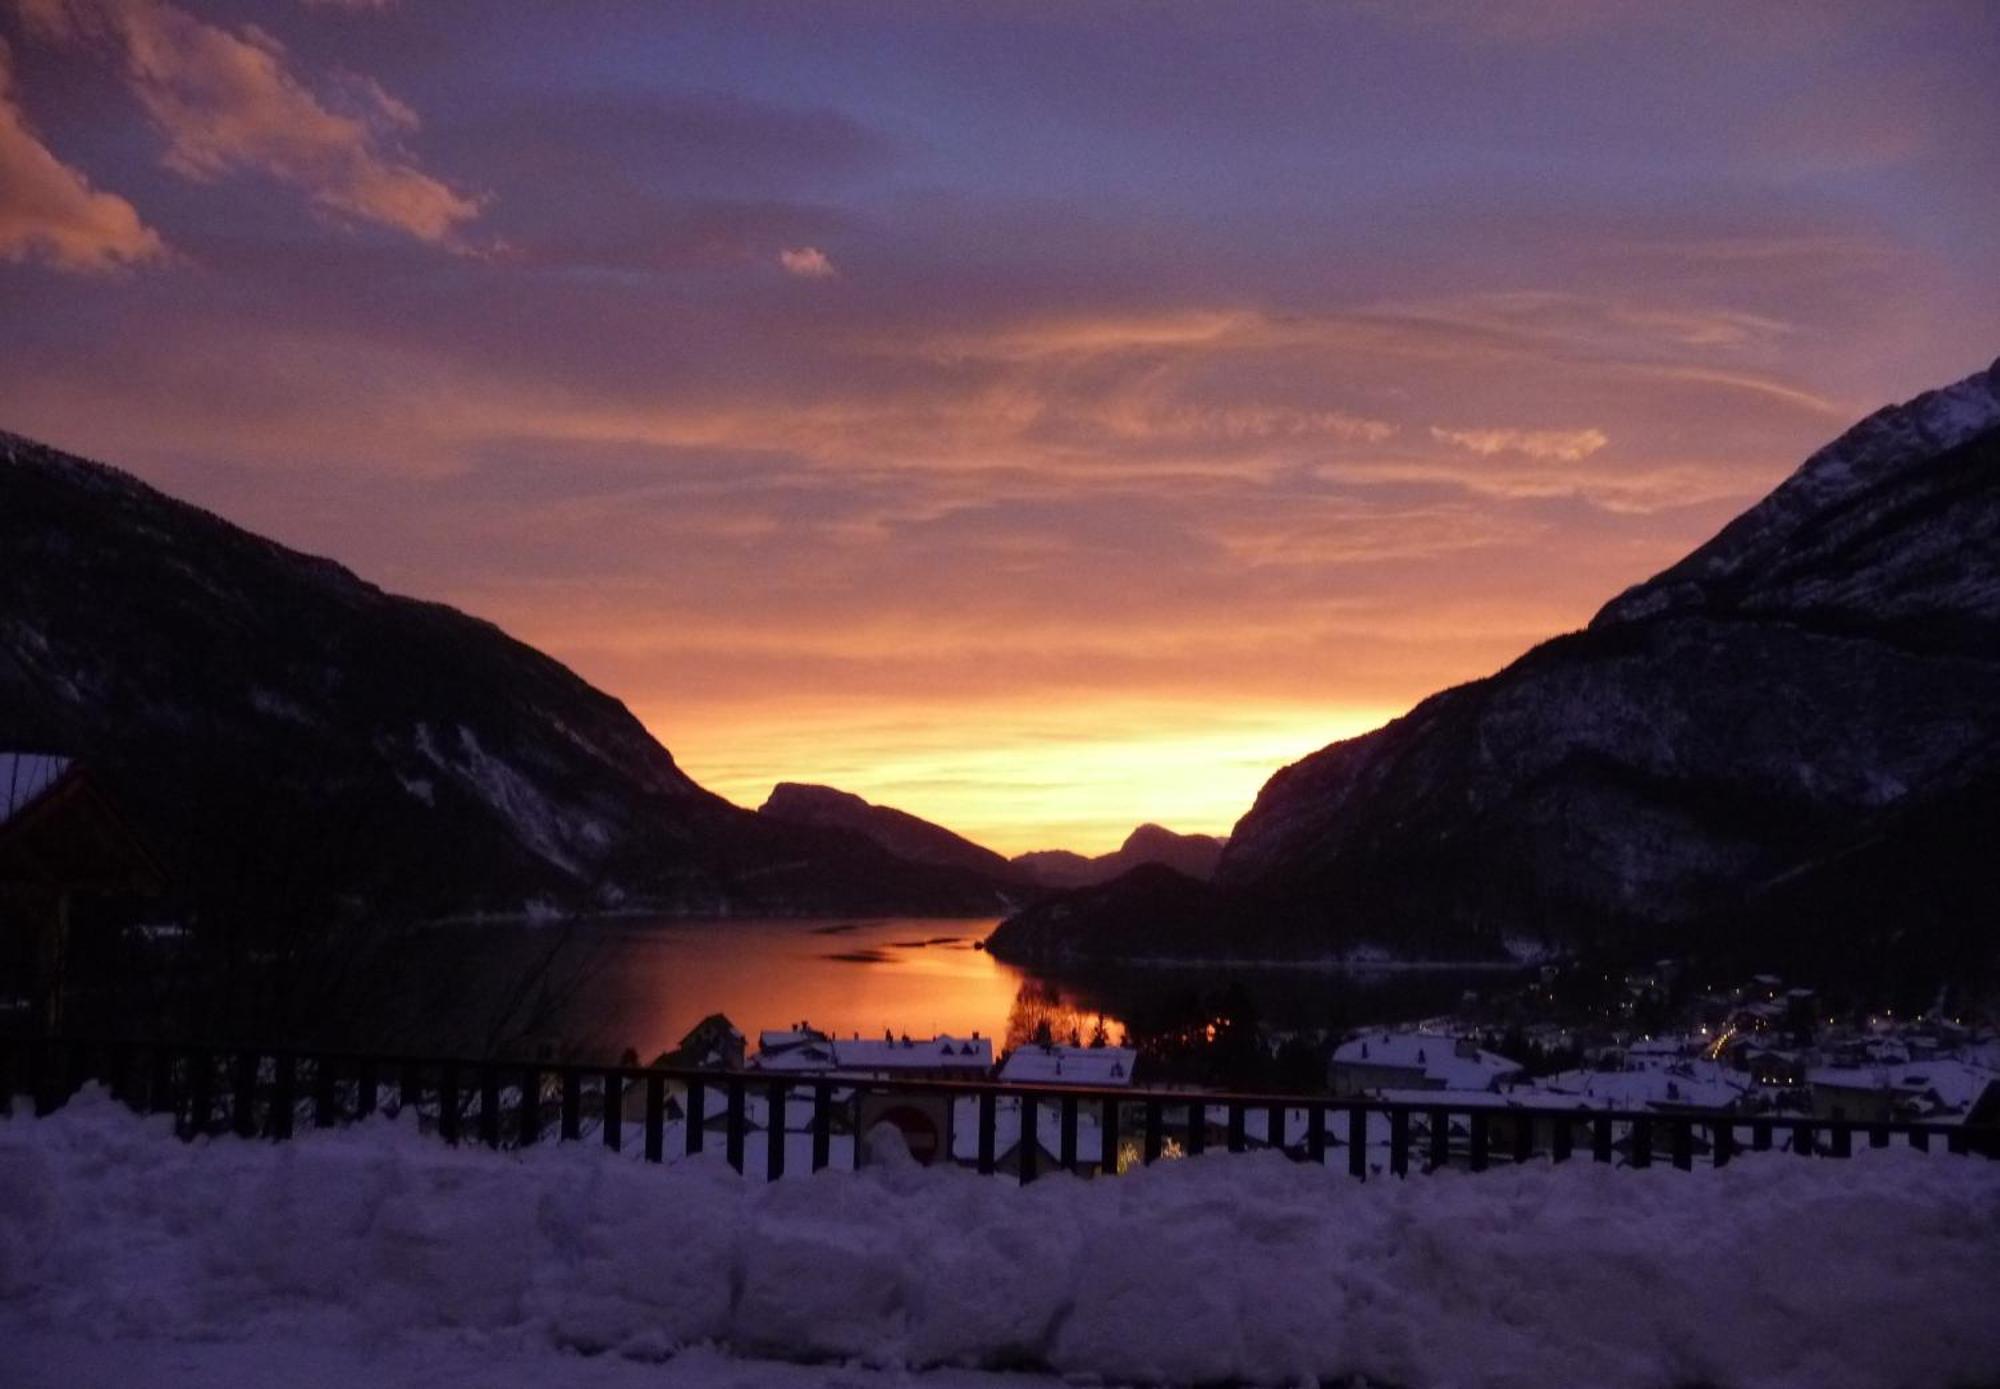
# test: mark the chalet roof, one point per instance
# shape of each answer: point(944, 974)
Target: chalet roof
point(1436, 1054)
point(1037, 1064)
point(60, 832)
point(25, 777)
point(1688, 1087)
point(811, 1051)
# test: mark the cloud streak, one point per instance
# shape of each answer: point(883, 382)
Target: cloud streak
point(230, 102)
point(1559, 445)
point(50, 212)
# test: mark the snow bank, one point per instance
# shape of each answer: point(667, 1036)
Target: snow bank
point(1777, 1270)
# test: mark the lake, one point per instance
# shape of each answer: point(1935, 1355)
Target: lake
point(643, 982)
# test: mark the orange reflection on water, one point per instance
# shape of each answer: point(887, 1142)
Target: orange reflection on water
point(652, 981)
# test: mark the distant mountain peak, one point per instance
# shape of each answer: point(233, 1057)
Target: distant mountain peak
point(901, 833)
point(1192, 855)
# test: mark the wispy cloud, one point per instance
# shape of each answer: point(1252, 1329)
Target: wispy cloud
point(233, 101)
point(1561, 445)
point(50, 212)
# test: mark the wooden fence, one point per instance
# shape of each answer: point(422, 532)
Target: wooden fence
point(256, 1092)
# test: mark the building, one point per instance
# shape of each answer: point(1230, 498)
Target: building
point(804, 1050)
point(61, 837)
point(713, 1044)
point(1376, 1061)
point(1687, 1086)
point(1047, 1063)
point(1934, 1091)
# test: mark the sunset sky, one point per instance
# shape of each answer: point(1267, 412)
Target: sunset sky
point(1042, 418)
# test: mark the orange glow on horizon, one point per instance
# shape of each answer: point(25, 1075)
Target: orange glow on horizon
point(1019, 777)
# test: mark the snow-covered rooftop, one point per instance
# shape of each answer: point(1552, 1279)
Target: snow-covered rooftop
point(808, 1051)
point(1955, 1085)
point(1035, 1064)
point(1444, 1060)
point(1684, 1088)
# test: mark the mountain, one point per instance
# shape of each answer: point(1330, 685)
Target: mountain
point(1805, 703)
point(285, 734)
point(901, 833)
point(1192, 855)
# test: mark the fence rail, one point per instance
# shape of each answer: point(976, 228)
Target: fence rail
point(759, 1116)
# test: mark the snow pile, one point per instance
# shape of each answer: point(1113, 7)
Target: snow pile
point(1777, 1270)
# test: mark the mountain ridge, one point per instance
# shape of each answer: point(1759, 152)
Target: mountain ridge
point(284, 729)
point(1825, 661)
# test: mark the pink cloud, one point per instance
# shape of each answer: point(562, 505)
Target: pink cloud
point(230, 102)
point(49, 211)
point(1559, 445)
point(807, 262)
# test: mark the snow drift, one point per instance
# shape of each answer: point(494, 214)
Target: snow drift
point(1774, 1271)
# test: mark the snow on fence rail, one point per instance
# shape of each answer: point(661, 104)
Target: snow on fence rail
point(992, 1126)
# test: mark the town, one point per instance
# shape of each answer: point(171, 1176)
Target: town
point(1759, 1050)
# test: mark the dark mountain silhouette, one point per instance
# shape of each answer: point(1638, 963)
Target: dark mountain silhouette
point(901, 833)
point(1191, 855)
point(1806, 705)
point(285, 733)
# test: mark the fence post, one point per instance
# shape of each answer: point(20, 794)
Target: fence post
point(1399, 1142)
point(734, 1143)
point(988, 1122)
point(1475, 1125)
point(243, 1096)
point(656, 1116)
point(1107, 1137)
point(1068, 1131)
point(823, 1124)
point(1440, 1139)
point(531, 1106)
point(572, 1104)
point(614, 1109)
point(1316, 1135)
point(1235, 1126)
point(447, 1092)
point(1029, 1150)
point(774, 1133)
point(160, 1091)
point(284, 1096)
point(1197, 1127)
point(1357, 1142)
point(325, 1101)
point(489, 1104)
point(697, 1117)
point(201, 1081)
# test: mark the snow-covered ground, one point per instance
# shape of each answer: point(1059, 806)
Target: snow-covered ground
point(375, 1255)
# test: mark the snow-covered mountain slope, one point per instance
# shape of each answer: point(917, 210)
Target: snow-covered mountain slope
point(1827, 665)
point(285, 732)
